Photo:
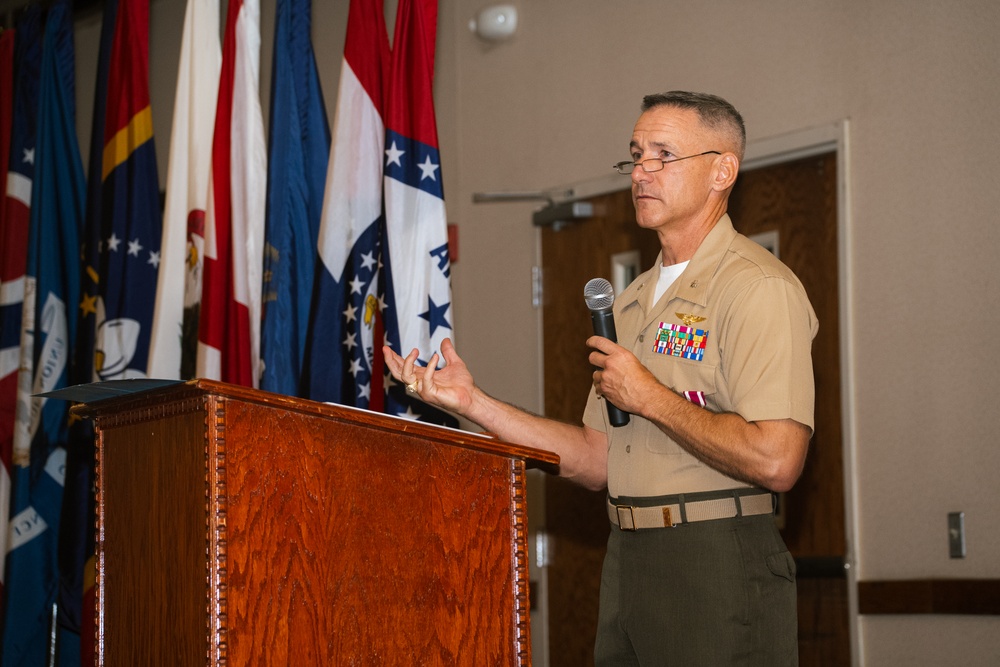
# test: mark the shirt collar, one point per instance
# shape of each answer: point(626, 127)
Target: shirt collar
point(692, 285)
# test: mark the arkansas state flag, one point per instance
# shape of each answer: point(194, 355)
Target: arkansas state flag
point(297, 164)
point(417, 264)
point(48, 328)
point(16, 204)
point(229, 327)
point(175, 321)
point(342, 331)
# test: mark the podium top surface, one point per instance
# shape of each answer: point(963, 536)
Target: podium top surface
point(104, 398)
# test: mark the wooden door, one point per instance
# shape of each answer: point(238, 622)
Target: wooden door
point(797, 202)
point(575, 519)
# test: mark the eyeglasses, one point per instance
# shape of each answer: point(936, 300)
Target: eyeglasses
point(654, 163)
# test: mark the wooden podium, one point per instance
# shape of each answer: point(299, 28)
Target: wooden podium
point(239, 527)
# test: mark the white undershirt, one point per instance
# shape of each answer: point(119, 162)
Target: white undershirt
point(668, 274)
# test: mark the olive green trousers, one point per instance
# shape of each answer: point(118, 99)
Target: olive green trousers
point(710, 593)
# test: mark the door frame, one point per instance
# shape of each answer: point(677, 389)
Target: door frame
point(761, 153)
point(789, 147)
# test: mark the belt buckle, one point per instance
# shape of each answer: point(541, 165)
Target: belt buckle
point(621, 517)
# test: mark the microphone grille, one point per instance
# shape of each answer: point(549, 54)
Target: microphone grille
point(599, 294)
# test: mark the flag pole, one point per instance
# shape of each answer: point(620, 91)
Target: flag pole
point(52, 634)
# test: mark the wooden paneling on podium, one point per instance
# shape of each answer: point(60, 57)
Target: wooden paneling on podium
point(239, 527)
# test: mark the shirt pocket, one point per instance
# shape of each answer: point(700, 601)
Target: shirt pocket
point(693, 380)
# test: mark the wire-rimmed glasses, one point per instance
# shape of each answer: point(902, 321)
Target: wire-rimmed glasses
point(653, 163)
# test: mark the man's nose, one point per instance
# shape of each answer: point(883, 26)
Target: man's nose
point(640, 175)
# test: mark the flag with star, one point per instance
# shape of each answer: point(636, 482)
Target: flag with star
point(229, 324)
point(14, 224)
point(298, 155)
point(342, 337)
point(130, 204)
point(174, 340)
point(416, 261)
point(49, 326)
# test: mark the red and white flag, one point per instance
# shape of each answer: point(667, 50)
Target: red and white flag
point(229, 327)
point(187, 194)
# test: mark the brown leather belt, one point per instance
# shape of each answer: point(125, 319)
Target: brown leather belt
point(688, 509)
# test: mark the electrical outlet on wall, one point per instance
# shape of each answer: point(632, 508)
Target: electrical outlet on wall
point(956, 534)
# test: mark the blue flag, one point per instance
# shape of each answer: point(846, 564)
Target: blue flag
point(298, 154)
point(130, 206)
point(49, 327)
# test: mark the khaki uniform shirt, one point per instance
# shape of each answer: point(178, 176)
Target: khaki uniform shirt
point(733, 333)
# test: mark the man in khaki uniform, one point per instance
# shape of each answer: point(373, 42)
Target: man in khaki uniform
point(713, 364)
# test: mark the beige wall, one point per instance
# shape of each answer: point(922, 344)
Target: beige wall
point(918, 80)
point(920, 84)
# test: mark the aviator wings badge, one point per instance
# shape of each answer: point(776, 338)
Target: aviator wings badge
point(689, 320)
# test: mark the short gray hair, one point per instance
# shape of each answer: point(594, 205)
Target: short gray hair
point(715, 112)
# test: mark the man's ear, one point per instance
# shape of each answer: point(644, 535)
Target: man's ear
point(727, 167)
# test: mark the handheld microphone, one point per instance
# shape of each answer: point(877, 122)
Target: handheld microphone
point(600, 296)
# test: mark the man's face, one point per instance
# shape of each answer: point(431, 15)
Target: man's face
point(680, 190)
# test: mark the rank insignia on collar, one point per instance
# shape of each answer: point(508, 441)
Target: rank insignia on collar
point(689, 320)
